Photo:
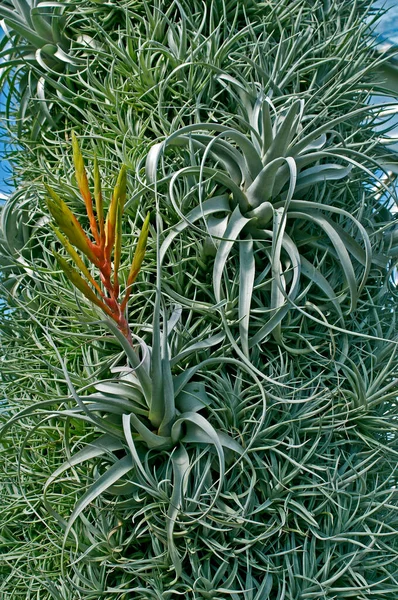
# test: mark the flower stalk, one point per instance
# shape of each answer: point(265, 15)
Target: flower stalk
point(106, 244)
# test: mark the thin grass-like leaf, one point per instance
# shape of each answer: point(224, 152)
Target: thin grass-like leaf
point(341, 251)
point(113, 474)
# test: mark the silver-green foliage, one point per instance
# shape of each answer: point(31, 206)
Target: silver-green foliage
point(267, 182)
point(246, 446)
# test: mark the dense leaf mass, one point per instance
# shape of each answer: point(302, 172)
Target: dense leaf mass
point(243, 445)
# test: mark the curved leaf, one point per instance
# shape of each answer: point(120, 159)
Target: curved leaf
point(113, 474)
point(181, 464)
point(208, 207)
point(236, 223)
point(246, 282)
point(340, 248)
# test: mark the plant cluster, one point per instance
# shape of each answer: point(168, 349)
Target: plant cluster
point(202, 405)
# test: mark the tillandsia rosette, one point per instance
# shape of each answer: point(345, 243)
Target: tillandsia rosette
point(254, 188)
point(37, 32)
point(152, 408)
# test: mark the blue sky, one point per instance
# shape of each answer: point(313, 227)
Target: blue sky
point(388, 26)
point(4, 173)
point(4, 166)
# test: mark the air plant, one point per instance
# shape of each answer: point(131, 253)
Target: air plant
point(39, 28)
point(257, 184)
point(225, 447)
point(151, 406)
point(35, 34)
point(107, 235)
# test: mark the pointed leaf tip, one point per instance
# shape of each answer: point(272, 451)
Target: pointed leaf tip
point(82, 181)
point(76, 258)
point(138, 258)
point(99, 205)
point(115, 211)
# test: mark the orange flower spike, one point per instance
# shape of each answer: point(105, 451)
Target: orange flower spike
point(69, 225)
point(138, 258)
point(118, 248)
point(118, 199)
point(76, 259)
point(82, 181)
point(80, 284)
point(99, 205)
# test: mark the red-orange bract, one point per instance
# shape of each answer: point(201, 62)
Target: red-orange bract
point(107, 241)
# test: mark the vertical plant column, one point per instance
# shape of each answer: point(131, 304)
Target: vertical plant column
point(205, 409)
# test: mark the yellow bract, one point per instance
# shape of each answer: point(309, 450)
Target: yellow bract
point(115, 210)
point(80, 283)
point(69, 225)
point(82, 181)
point(75, 257)
point(138, 258)
point(99, 206)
